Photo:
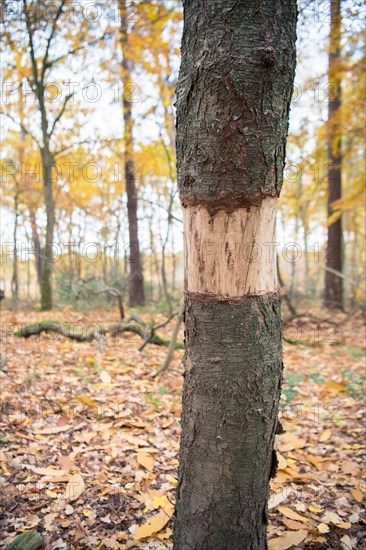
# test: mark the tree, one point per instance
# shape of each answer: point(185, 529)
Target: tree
point(233, 98)
point(37, 43)
point(136, 284)
point(333, 292)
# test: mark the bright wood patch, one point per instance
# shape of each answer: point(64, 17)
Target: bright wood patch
point(231, 254)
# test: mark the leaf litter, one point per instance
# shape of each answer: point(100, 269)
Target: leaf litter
point(89, 440)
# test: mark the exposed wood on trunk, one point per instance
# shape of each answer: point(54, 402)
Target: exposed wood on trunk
point(235, 251)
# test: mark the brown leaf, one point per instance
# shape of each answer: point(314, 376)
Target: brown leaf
point(325, 436)
point(151, 526)
point(291, 514)
point(145, 460)
point(356, 494)
point(288, 540)
point(66, 463)
point(75, 487)
point(293, 525)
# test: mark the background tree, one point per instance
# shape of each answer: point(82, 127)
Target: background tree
point(233, 99)
point(34, 41)
point(136, 285)
point(333, 291)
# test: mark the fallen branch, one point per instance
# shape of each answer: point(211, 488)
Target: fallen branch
point(173, 341)
point(75, 333)
point(154, 329)
point(314, 318)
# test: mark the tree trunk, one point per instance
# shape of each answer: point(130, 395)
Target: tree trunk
point(136, 283)
point(36, 244)
point(48, 163)
point(15, 278)
point(233, 98)
point(333, 293)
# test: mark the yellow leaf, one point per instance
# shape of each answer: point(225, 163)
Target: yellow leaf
point(152, 526)
point(291, 514)
point(84, 400)
point(145, 460)
point(315, 510)
point(171, 479)
point(74, 487)
point(323, 528)
point(288, 540)
point(331, 385)
point(356, 494)
point(164, 503)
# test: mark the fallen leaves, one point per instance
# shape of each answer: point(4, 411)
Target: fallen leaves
point(324, 436)
point(288, 540)
point(357, 494)
point(102, 451)
point(276, 499)
point(152, 525)
point(75, 487)
point(291, 514)
point(145, 460)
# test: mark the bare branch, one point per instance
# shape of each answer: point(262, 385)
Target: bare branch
point(79, 48)
point(31, 46)
point(24, 128)
point(67, 99)
point(50, 38)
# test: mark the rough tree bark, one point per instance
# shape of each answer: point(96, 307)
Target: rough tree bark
point(48, 163)
point(233, 98)
point(333, 292)
point(136, 286)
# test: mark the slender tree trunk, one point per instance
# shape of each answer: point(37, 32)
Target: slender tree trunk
point(233, 98)
point(306, 258)
point(164, 277)
point(48, 163)
point(333, 292)
point(36, 244)
point(28, 278)
point(174, 264)
point(15, 278)
point(136, 286)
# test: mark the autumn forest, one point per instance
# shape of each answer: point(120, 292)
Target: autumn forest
point(182, 282)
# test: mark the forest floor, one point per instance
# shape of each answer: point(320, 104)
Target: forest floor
point(89, 439)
